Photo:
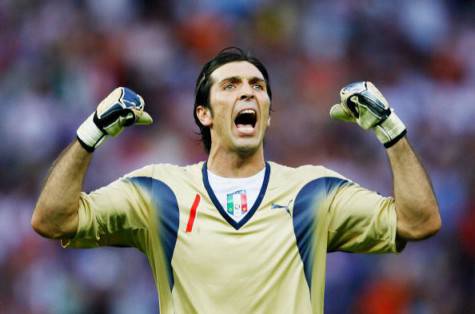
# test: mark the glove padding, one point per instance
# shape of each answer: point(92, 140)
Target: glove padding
point(121, 108)
point(363, 103)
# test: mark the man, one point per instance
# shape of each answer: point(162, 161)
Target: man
point(237, 233)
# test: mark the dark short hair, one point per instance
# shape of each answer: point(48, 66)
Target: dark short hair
point(204, 83)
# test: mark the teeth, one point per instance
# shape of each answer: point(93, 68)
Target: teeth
point(250, 111)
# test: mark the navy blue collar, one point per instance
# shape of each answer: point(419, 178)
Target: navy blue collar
point(220, 208)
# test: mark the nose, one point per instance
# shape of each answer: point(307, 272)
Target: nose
point(247, 92)
point(246, 97)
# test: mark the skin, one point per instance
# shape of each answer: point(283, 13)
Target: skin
point(236, 153)
point(236, 85)
point(56, 211)
point(416, 205)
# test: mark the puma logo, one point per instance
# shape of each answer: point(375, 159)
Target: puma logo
point(286, 207)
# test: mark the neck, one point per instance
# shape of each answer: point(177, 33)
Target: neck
point(233, 165)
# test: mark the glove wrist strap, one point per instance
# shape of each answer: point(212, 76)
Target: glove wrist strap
point(390, 131)
point(89, 135)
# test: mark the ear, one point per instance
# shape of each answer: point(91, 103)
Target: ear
point(268, 122)
point(204, 115)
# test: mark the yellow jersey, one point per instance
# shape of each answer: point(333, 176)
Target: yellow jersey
point(271, 261)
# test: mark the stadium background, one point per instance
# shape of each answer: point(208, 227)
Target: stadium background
point(59, 58)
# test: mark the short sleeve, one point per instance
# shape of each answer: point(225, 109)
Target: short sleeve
point(362, 221)
point(115, 215)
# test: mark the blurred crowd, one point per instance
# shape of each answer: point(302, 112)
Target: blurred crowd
point(59, 58)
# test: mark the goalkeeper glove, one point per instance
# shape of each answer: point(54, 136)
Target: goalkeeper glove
point(363, 103)
point(121, 108)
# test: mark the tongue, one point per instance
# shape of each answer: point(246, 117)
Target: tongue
point(245, 128)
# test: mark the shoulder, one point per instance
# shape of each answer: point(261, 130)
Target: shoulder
point(304, 172)
point(164, 170)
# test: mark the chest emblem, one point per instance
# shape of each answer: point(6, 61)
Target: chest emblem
point(236, 204)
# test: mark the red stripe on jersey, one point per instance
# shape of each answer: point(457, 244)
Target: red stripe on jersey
point(191, 219)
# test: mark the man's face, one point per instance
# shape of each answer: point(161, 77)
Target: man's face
point(240, 108)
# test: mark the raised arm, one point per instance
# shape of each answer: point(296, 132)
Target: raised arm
point(416, 206)
point(56, 211)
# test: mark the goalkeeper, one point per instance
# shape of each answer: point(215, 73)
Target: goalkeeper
point(237, 233)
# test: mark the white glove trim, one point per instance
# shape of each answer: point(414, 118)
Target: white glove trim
point(89, 135)
point(390, 130)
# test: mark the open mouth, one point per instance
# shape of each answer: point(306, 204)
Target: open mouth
point(246, 119)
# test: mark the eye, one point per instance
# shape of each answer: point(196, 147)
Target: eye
point(228, 86)
point(258, 86)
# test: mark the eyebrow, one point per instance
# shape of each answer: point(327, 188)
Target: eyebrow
point(236, 79)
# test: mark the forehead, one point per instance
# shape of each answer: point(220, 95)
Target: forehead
point(241, 69)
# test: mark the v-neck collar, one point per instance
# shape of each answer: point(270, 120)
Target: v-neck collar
point(220, 208)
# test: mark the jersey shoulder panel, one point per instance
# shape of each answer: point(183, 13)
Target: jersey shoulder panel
point(146, 171)
point(304, 173)
point(165, 170)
